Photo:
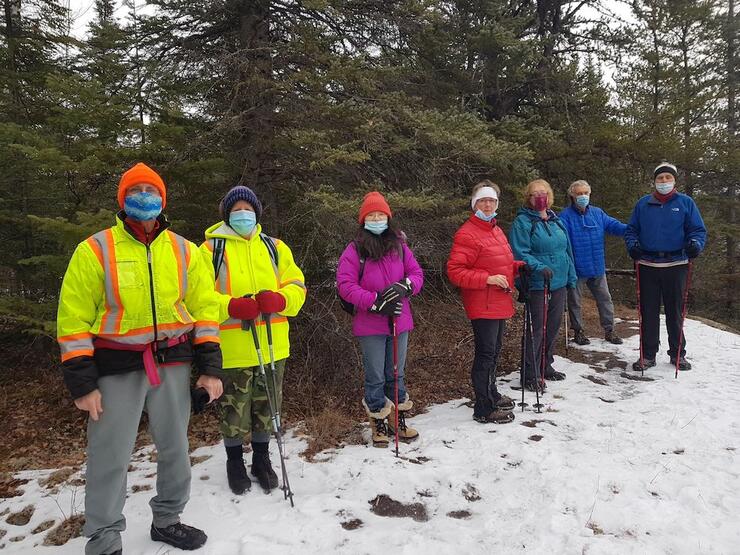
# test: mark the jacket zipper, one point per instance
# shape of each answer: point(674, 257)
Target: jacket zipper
point(151, 296)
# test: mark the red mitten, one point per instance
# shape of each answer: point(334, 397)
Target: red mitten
point(270, 302)
point(244, 308)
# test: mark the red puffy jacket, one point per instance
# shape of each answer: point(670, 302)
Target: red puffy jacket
point(480, 249)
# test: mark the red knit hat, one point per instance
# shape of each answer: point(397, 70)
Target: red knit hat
point(140, 173)
point(374, 202)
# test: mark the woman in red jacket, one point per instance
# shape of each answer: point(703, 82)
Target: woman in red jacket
point(482, 265)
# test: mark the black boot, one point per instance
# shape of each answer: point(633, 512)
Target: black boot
point(236, 472)
point(641, 366)
point(262, 468)
point(612, 337)
point(683, 364)
point(579, 338)
point(179, 535)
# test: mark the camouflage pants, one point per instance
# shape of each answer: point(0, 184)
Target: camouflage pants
point(244, 406)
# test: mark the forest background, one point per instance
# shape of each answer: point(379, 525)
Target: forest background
point(313, 103)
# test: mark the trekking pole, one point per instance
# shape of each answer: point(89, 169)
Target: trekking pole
point(287, 492)
point(567, 315)
point(683, 315)
point(268, 326)
point(530, 328)
point(639, 317)
point(545, 299)
point(525, 317)
point(395, 374)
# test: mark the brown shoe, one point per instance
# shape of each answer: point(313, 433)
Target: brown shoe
point(497, 416)
point(612, 337)
point(380, 432)
point(405, 433)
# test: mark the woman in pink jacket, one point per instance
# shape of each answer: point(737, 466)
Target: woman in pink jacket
point(377, 273)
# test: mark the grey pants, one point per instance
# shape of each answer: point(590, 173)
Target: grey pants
point(110, 442)
point(600, 290)
point(555, 307)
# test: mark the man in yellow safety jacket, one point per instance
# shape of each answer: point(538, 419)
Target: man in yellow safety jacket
point(255, 275)
point(136, 311)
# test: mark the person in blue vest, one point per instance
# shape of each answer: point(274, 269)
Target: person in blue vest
point(586, 225)
point(665, 231)
point(539, 238)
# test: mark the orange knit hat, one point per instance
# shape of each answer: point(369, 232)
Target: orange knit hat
point(141, 173)
point(374, 202)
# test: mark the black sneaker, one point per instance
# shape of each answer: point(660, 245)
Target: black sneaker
point(612, 337)
point(646, 363)
point(555, 376)
point(262, 470)
point(580, 339)
point(683, 364)
point(236, 473)
point(179, 535)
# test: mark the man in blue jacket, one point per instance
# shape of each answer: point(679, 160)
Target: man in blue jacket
point(664, 233)
point(586, 225)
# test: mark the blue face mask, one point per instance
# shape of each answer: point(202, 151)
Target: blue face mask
point(582, 200)
point(243, 222)
point(376, 227)
point(480, 214)
point(664, 188)
point(142, 207)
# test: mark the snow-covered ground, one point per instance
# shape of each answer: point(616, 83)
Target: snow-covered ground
point(620, 467)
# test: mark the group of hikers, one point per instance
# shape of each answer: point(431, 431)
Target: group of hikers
point(140, 307)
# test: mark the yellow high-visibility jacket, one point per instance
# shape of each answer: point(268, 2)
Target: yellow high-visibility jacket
point(247, 269)
point(107, 293)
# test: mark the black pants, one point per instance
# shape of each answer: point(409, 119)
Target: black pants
point(666, 285)
point(488, 335)
point(555, 309)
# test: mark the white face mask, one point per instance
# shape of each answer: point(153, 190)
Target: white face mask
point(665, 188)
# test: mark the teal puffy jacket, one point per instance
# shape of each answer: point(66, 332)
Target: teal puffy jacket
point(543, 244)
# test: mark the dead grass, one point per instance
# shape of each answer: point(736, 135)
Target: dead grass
point(65, 531)
point(22, 517)
point(56, 478)
point(43, 527)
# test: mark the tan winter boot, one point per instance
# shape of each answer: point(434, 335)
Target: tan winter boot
point(377, 423)
point(405, 433)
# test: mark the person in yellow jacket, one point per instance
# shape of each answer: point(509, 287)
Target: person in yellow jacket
point(255, 276)
point(136, 310)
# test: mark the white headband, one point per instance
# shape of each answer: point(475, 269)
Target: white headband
point(483, 192)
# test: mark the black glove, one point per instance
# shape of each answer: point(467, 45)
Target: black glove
point(389, 308)
point(692, 249)
point(547, 273)
point(397, 290)
point(525, 270)
point(200, 398)
point(635, 252)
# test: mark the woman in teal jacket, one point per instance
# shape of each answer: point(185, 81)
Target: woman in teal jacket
point(539, 238)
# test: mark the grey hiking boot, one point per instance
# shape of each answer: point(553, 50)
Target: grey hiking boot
point(683, 364)
point(612, 337)
point(644, 364)
point(579, 338)
point(496, 416)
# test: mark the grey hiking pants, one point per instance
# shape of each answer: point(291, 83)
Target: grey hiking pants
point(555, 307)
point(110, 442)
point(600, 290)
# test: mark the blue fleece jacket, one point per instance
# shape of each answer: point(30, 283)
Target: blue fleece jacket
point(586, 233)
point(662, 230)
point(543, 244)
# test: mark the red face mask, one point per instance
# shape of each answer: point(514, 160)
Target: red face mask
point(539, 202)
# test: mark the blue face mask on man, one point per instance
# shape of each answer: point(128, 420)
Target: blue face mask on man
point(664, 188)
point(243, 222)
point(582, 201)
point(376, 228)
point(142, 206)
point(480, 214)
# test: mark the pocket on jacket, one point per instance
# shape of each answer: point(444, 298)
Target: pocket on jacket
point(129, 274)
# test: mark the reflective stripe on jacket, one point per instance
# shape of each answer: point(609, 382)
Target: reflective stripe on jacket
point(247, 269)
point(107, 292)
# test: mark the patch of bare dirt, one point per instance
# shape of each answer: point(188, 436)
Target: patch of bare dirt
point(352, 524)
point(462, 514)
point(636, 377)
point(383, 505)
point(10, 487)
point(43, 527)
point(533, 423)
point(595, 379)
point(199, 459)
point(535, 437)
point(59, 477)
point(136, 488)
point(470, 492)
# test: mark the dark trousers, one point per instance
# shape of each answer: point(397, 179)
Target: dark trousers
point(488, 336)
point(664, 285)
point(555, 308)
